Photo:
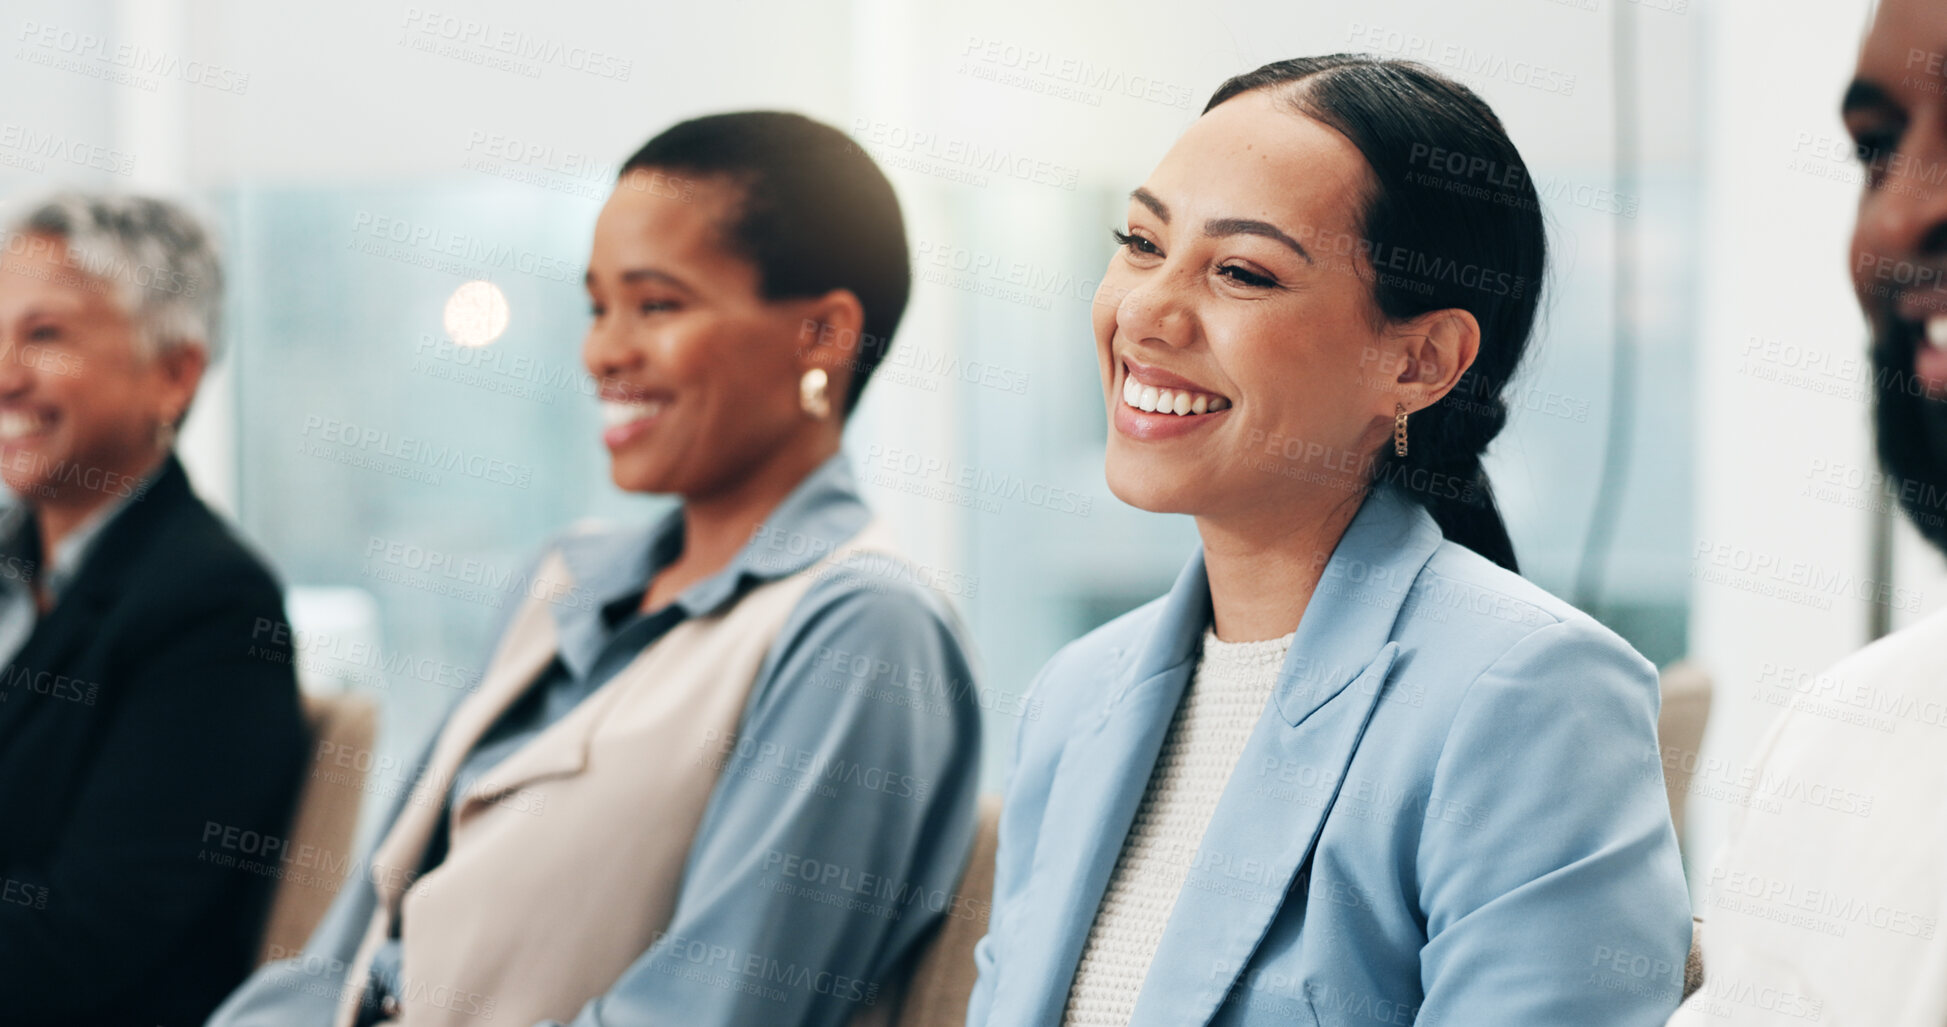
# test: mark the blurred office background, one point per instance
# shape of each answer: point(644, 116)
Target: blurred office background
point(1689, 422)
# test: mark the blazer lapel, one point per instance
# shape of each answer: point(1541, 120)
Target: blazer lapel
point(1097, 785)
point(64, 633)
point(102, 576)
point(1264, 829)
point(528, 647)
point(1283, 788)
point(560, 750)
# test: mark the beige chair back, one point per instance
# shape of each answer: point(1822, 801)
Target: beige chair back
point(943, 980)
point(1679, 736)
point(318, 847)
point(1680, 731)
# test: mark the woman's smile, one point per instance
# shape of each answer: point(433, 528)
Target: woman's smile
point(1156, 404)
point(17, 426)
point(625, 420)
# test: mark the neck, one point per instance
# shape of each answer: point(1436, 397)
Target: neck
point(1263, 566)
point(60, 515)
point(717, 525)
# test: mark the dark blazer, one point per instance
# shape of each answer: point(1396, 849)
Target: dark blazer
point(151, 740)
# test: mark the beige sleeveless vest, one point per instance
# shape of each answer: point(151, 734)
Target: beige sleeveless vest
point(567, 857)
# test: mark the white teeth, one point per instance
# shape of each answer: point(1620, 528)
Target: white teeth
point(15, 424)
point(1180, 402)
point(616, 413)
point(1937, 331)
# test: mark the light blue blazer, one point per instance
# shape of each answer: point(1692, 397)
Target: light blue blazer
point(1450, 812)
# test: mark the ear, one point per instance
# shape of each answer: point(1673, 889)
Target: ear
point(1434, 349)
point(832, 336)
point(180, 370)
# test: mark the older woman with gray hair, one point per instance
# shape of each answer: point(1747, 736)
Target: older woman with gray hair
point(149, 717)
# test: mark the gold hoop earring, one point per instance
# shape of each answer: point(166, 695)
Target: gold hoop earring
point(1399, 429)
point(812, 396)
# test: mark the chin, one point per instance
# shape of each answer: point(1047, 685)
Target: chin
point(30, 490)
point(1146, 485)
point(630, 476)
point(25, 470)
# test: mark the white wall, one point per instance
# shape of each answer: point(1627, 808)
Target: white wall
point(1778, 213)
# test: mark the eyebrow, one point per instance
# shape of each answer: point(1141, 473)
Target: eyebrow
point(639, 274)
point(647, 274)
point(1219, 227)
point(1148, 199)
point(40, 311)
point(1246, 226)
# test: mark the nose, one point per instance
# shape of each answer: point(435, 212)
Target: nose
point(1156, 309)
point(1905, 217)
point(606, 351)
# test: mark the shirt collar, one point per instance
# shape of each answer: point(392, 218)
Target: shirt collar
point(818, 516)
point(68, 553)
point(24, 539)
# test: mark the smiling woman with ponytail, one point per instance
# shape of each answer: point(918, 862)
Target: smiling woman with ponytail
point(1352, 768)
point(1452, 221)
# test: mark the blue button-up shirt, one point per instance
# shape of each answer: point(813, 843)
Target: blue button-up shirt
point(734, 891)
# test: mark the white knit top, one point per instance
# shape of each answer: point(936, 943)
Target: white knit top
point(1227, 694)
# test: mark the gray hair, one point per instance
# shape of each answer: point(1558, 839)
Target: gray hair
point(154, 253)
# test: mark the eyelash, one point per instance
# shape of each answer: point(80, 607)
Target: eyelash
point(1137, 244)
point(596, 309)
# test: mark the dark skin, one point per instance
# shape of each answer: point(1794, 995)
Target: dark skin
point(679, 324)
point(1896, 111)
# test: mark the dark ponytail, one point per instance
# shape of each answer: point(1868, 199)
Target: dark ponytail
point(1454, 222)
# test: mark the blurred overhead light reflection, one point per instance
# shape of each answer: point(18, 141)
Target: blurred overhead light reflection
point(476, 314)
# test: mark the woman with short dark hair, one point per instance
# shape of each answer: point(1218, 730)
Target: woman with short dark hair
point(722, 769)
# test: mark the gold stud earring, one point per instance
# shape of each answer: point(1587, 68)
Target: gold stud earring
point(812, 396)
point(1399, 429)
